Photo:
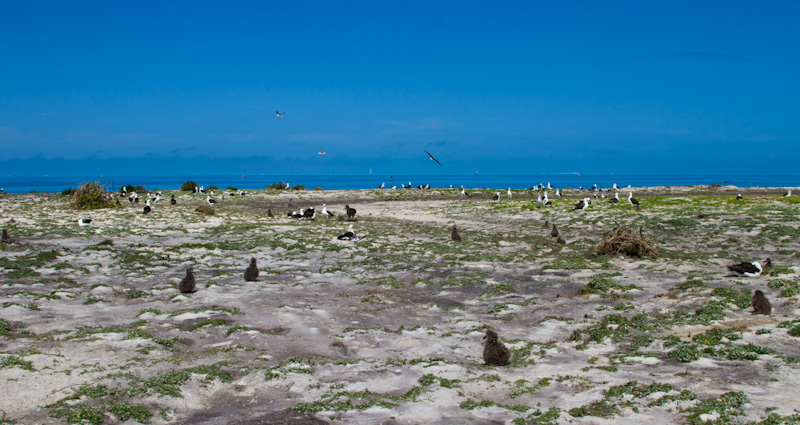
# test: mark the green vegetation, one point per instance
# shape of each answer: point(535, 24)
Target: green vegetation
point(92, 196)
point(188, 186)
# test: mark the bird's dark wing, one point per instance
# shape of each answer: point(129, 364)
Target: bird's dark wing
point(432, 157)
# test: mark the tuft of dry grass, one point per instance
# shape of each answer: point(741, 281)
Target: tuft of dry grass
point(92, 196)
point(622, 241)
point(205, 210)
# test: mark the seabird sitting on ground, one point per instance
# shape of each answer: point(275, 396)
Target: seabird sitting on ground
point(496, 196)
point(539, 199)
point(615, 200)
point(383, 184)
point(509, 193)
point(454, 235)
point(494, 351)
point(554, 232)
point(350, 235)
point(83, 222)
point(173, 201)
point(269, 212)
point(147, 207)
point(761, 304)
point(788, 193)
point(739, 197)
point(310, 214)
point(558, 192)
point(582, 204)
point(464, 193)
point(189, 282)
point(210, 201)
point(750, 268)
point(546, 224)
point(6, 238)
point(560, 241)
point(251, 272)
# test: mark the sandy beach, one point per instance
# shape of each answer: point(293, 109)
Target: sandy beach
point(389, 329)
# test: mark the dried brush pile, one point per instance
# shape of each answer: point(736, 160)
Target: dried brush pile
point(622, 241)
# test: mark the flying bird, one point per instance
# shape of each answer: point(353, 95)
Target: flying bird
point(432, 158)
point(279, 114)
point(321, 152)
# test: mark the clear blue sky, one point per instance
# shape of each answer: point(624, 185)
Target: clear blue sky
point(509, 87)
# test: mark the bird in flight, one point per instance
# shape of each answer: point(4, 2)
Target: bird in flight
point(279, 114)
point(322, 152)
point(432, 158)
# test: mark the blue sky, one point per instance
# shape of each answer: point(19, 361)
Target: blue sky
point(514, 87)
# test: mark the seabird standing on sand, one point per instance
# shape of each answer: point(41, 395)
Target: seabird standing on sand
point(464, 193)
point(545, 200)
point(432, 159)
point(383, 184)
point(760, 303)
point(509, 193)
point(83, 222)
point(325, 212)
point(633, 201)
point(494, 351)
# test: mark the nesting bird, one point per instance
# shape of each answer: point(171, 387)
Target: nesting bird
point(454, 235)
point(188, 283)
point(554, 232)
point(251, 273)
point(615, 200)
point(350, 235)
point(561, 241)
point(210, 201)
point(83, 222)
point(147, 207)
point(739, 197)
point(6, 237)
point(788, 193)
point(496, 196)
point(750, 268)
point(494, 351)
point(761, 304)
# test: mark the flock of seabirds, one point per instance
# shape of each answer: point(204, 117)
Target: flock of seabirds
point(494, 352)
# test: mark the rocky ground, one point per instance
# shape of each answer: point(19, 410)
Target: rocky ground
point(389, 329)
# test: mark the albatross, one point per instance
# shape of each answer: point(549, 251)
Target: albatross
point(750, 268)
point(432, 159)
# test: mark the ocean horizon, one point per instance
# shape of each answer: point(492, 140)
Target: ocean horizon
point(47, 184)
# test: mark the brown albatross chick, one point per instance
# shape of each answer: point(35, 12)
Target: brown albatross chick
point(761, 304)
point(251, 273)
point(454, 235)
point(494, 351)
point(188, 283)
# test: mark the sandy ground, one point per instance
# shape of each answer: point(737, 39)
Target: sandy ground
point(389, 329)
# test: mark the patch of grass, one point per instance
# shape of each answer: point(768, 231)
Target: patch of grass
point(498, 289)
point(569, 262)
point(691, 284)
point(602, 284)
point(685, 353)
point(81, 414)
point(789, 288)
point(742, 298)
point(727, 406)
point(429, 379)
point(16, 361)
point(124, 411)
point(472, 405)
point(599, 408)
point(612, 326)
point(521, 387)
point(637, 390)
point(168, 383)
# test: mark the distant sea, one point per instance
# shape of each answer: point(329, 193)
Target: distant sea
point(338, 182)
